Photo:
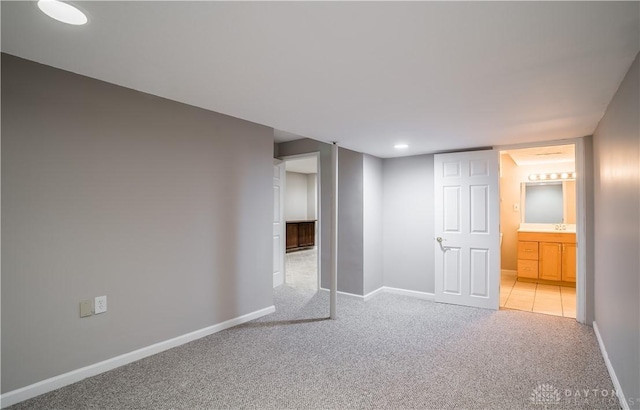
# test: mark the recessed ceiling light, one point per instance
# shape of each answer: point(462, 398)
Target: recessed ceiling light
point(63, 12)
point(401, 146)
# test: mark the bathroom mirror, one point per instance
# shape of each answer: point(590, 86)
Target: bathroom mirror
point(548, 202)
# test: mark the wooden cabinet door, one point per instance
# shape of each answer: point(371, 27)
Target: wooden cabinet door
point(306, 234)
point(550, 266)
point(569, 262)
point(292, 236)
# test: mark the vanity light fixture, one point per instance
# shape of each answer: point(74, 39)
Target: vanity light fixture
point(553, 175)
point(63, 12)
point(401, 146)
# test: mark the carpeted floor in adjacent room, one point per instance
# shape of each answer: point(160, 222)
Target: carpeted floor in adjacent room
point(389, 352)
point(301, 269)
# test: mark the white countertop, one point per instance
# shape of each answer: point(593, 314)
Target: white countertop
point(554, 228)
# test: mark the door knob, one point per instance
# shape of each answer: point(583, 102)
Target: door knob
point(439, 239)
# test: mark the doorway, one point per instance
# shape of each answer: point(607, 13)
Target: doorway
point(301, 211)
point(538, 220)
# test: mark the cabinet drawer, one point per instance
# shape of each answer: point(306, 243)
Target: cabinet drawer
point(527, 269)
point(528, 250)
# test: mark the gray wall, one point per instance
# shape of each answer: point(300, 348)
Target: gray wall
point(408, 234)
point(372, 215)
point(350, 222)
point(616, 148)
point(108, 191)
point(295, 197)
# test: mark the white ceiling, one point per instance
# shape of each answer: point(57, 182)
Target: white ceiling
point(436, 75)
point(543, 155)
point(308, 165)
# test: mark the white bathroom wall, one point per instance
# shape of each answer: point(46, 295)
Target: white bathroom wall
point(312, 197)
point(295, 198)
point(300, 196)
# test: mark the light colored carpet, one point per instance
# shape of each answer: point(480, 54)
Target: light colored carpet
point(301, 269)
point(389, 352)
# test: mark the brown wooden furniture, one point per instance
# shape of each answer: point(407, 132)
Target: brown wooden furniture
point(547, 257)
point(300, 235)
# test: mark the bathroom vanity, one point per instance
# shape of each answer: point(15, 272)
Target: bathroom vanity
point(547, 234)
point(547, 255)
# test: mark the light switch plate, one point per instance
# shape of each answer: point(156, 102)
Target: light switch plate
point(100, 304)
point(85, 308)
point(516, 207)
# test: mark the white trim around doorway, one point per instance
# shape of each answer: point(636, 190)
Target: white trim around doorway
point(316, 155)
point(581, 217)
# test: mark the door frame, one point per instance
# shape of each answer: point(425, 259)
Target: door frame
point(281, 175)
point(583, 302)
point(316, 155)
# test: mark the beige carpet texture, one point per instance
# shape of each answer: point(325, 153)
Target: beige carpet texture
point(391, 352)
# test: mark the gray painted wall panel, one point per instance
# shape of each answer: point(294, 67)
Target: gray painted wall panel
point(350, 222)
point(616, 148)
point(372, 234)
point(163, 207)
point(408, 223)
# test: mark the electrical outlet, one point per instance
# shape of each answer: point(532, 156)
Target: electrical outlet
point(100, 304)
point(85, 308)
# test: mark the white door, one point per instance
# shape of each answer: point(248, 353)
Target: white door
point(278, 222)
point(467, 229)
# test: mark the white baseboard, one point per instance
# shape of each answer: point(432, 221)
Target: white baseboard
point(387, 289)
point(346, 294)
point(411, 293)
point(278, 279)
point(612, 373)
point(45, 386)
point(373, 294)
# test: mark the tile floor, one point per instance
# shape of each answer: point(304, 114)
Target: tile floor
point(532, 297)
